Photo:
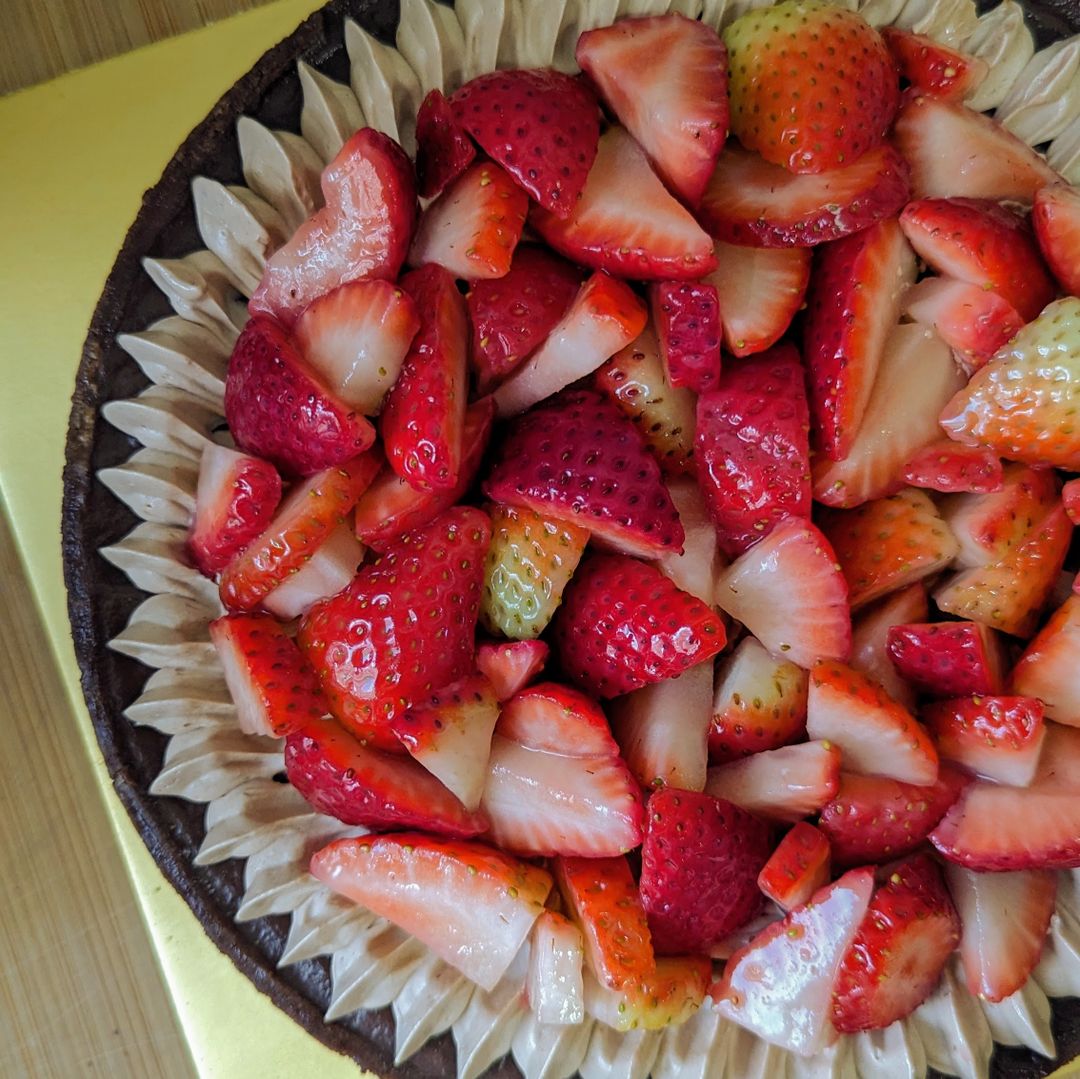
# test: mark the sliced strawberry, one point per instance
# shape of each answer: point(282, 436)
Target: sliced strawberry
point(510, 666)
point(356, 337)
point(443, 148)
point(753, 449)
point(606, 479)
point(750, 201)
point(278, 410)
point(949, 659)
point(759, 290)
point(341, 777)
point(325, 573)
point(540, 125)
point(471, 905)
point(363, 230)
point(1056, 217)
point(234, 502)
point(697, 569)
point(797, 868)
point(626, 222)
point(687, 319)
point(1049, 665)
point(665, 78)
point(896, 958)
point(423, 419)
point(557, 719)
point(554, 985)
point(603, 317)
point(932, 68)
point(950, 467)
point(623, 625)
point(852, 306)
point(666, 998)
point(760, 703)
point(1070, 499)
point(870, 633)
point(790, 593)
point(302, 523)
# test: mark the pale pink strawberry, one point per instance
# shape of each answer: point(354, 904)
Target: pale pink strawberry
point(554, 986)
point(697, 569)
point(324, 573)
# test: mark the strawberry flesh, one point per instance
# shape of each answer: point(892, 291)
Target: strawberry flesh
point(1048, 667)
point(932, 68)
point(511, 665)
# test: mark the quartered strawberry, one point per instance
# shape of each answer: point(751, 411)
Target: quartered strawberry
point(666, 998)
point(932, 68)
point(552, 718)
point(851, 308)
point(273, 691)
point(325, 573)
point(604, 316)
point(687, 320)
point(697, 568)
point(949, 659)
point(626, 221)
point(699, 864)
point(751, 201)
point(443, 148)
point(234, 501)
point(870, 634)
point(578, 458)
point(950, 467)
point(363, 230)
point(797, 868)
point(900, 950)
point(623, 624)
point(760, 703)
point(278, 410)
point(540, 125)
point(310, 513)
point(789, 592)
point(423, 419)
point(471, 905)
point(553, 986)
point(1048, 668)
point(356, 337)
point(665, 78)
point(403, 628)
point(759, 289)
point(511, 665)
point(1056, 217)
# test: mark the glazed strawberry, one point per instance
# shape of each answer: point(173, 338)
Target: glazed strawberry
point(759, 290)
point(344, 778)
point(424, 415)
point(869, 639)
point(472, 228)
point(983, 243)
point(577, 458)
point(273, 691)
point(1048, 667)
point(277, 409)
point(623, 625)
point(750, 201)
point(949, 659)
point(797, 868)
point(1056, 217)
point(471, 905)
point(355, 338)
point(900, 950)
point(325, 573)
point(541, 126)
point(551, 718)
point(554, 987)
point(789, 592)
point(443, 148)
point(627, 222)
point(760, 703)
point(303, 522)
point(667, 997)
point(699, 864)
point(752, 447)
point(687, 320)
point(950, 467)
point(234, 502)
point(511, 316)
point(403, 628)
point(363, 230)
point(511, 665)
point(698, 567)
point(932, 68)
point(665, 78)
point(852, 306)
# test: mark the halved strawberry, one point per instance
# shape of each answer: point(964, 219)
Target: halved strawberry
point(626, 222)
point(950, 467)
point(949, 659)
point(557, 719)
point(356, 338)
point(869, 637)
point(554, 985)
point(666, 998)
point(511, 665)
point(472, 228)
point(234, 502)
point(326, 572)
point(932, 68)
point(1056, 217)
point(797, 868)
point(687, 319)
point(363, 230)
point(665, 78)
point(750, 201)
point(443, 149)
point(471, 905)
point(603, 317)
point(900, 950)
point(790, 593)
point(1048, 668)
point(698, 567)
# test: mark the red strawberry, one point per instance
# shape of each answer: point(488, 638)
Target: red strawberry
point(699, 864)
point(623, 624)
point(626, 222)
point(325, 573)
point(1070, 499)
point(752, 447)
point(471, 905)
point(554, 987)
point(750, 201)
point(797, 868)
point(852, 306)
point(541, 126)
point(1048, 667)
point(697, 569)
point(1056, 217)
point(234, 502)
point(932, 68)
point(665, 78)
point(949, 659)
point(950, 467)
point(273, 691)
point(666, 998)
point(277, 409)
point(403, 628)
point(869, 636)
point(302, 523)
point(363, 230)
point(578, 458)
point(900, 950)
point(424, 414)
point(511, 665)
point(687, 319)
point(472, 228)
point(557, 719)
point(443, 149)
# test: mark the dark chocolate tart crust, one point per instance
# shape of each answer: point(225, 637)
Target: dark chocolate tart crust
point(101, 599)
